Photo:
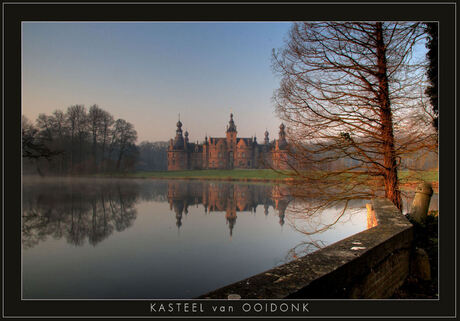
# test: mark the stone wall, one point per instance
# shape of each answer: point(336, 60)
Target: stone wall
point(369, 264)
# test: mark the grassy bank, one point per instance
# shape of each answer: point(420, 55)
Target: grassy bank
point(235, 174)
point(428, 176)
point(406, 177)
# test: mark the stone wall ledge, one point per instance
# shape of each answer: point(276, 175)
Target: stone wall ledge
point(336, 271)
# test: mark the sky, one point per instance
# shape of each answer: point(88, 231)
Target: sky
point(148, 73)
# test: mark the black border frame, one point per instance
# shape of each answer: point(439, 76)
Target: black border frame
point(13, 13)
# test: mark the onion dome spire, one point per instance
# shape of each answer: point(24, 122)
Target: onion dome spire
point(179, 139)
point(186, 136)
point(231, 125)
point(179, 124)
point(282, 144)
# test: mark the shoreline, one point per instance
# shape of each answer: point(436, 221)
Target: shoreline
point(407, 184)
point(228, 179)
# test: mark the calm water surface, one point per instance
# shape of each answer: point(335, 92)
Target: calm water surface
point(106, 238)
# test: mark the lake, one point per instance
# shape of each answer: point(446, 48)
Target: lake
point(159, 239)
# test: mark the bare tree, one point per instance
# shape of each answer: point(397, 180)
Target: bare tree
point(77, 119)
point(78, 142)
point(352, 91)
point(153, 155)
point(33, 147)
point(123, 136)
point(95, 122)
point(60, 136)
point(106, 128)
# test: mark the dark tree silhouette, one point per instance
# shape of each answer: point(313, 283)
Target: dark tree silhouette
point(432, 72)
point(77, 142)
point(33, 148)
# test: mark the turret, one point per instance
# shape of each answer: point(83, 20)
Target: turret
point(179, 140)
point(231, 125)
point(282, 144)
point(186, 136)
point(266, 139)
point(231, 133)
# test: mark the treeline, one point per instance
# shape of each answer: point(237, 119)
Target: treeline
point(81, 141)
point(153, 156)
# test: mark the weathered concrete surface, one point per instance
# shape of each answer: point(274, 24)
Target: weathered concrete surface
point(341, 270)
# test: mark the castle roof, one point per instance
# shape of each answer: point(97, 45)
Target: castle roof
point(215, 140)
point(247, 140)
point(195, 147)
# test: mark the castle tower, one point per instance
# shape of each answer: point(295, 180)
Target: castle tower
point(205, 156)
point(177, 155)
point(179, 139)
point(231, 142)
point(231, 132)
point(186, 137)
point(266, 139)
point(280, 152)
point(282, 144)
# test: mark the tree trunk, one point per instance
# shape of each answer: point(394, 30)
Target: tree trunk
point(120, 155)
point(95, 168)
point(103, 166)
point(389, 156)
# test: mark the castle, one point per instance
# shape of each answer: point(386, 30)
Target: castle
point(227, 152)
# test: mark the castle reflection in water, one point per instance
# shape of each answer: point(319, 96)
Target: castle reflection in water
point(228, 198)
point(81, 210)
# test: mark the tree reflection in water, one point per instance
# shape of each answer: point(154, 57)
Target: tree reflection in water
point(76, 210)
point(92, 209)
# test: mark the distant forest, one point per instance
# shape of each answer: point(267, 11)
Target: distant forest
point(80, 141)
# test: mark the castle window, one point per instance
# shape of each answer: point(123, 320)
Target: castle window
point(243, 155)
point(220, 154)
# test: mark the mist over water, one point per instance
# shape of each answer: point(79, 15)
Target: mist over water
point(141, 238)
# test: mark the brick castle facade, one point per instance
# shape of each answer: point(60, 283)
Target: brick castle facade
point(227, 152)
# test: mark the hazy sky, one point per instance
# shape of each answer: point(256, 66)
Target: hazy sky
point(147, 73)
